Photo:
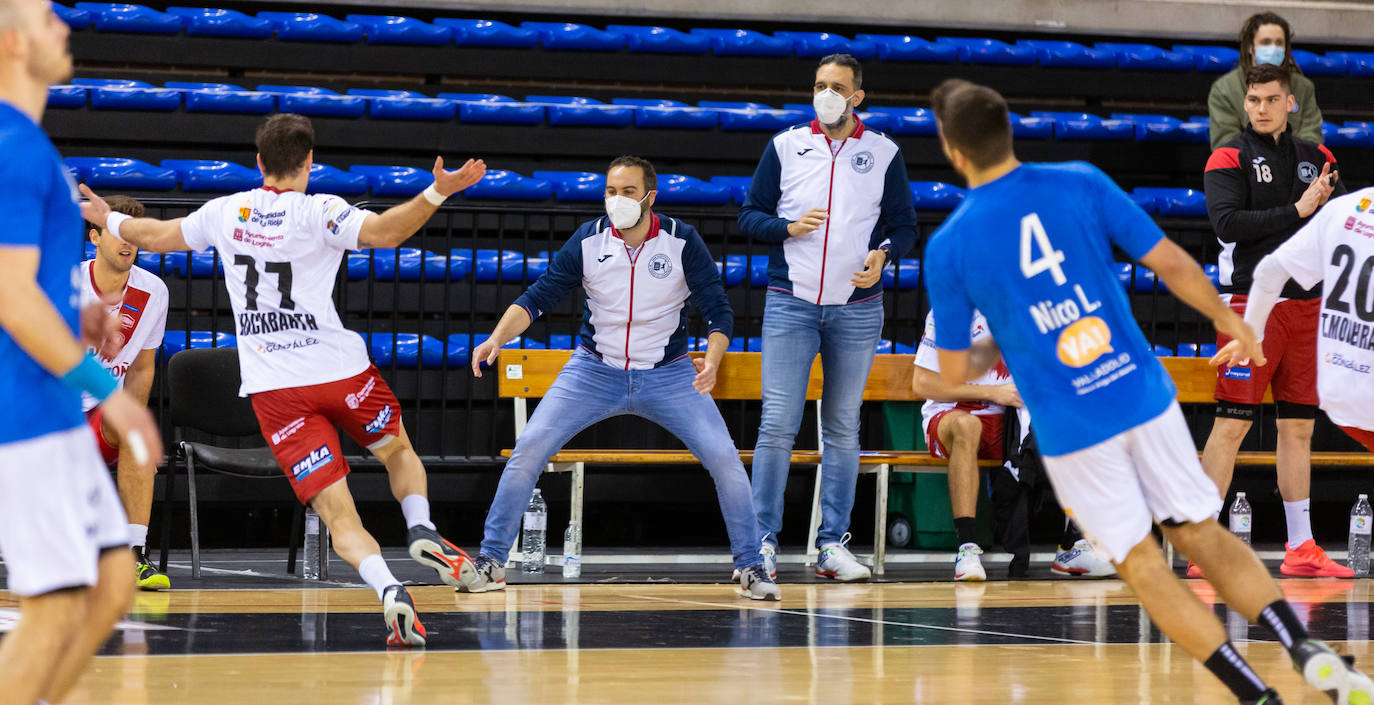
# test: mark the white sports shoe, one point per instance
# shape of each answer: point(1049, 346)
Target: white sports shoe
point(1082, 561)
point(837, 562)
point(770, 562)
point(967, 565)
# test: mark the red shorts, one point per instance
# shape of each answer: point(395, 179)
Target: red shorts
point(1290, 345)
point(989, 445)
point(298, 423)
point(110, 454)
point(1366, 438)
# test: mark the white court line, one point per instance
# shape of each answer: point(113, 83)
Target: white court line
point(258, 574)
point(865, 620)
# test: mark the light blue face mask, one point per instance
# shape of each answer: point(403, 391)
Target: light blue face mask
point(1269, 54)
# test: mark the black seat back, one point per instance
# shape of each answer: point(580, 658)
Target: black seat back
point(205, 393)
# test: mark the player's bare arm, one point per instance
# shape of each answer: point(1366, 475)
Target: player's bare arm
point(1269, 278)
point(395, 225)
point(929, 384)
point(1185, 278)
point(151, 234)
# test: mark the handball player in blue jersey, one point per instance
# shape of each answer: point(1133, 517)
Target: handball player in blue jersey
point(63, 533)
point(1115, 444)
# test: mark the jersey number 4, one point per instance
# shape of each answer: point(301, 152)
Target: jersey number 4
point(1344, 257)
point(250, 280)
point(1049, 259)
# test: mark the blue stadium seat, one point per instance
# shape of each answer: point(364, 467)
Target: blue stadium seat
point(1187, 350)
point(408, 265)
point(575, 185)
point(508, 185)
point(1163, 351)
point(738, 344)
point(395, 29)
point(488, 33)
point(744, 42)
point(1142, 280)
point(405, 350)
point(572, 110)
point(738, 185)
point(907, 277)
point(1176, 201)
point(174, 341)
point(908, 121)
point(884, 347)
point(660, 112)
point(1318, 65)
point(900, 348)
point(311, 100)
point(1351, 135)
point(661, 40)
point(500, 265)
point(818, 44)
point(1210, 58)
point(1147, 57)
point(904, 47)
point(733, 269)
point(66, 96)
point(1061, 53)
point(754, 116)
point(1085, 126)
point(311, 27)
point(1146, 201)
point(213, 175)
point(223, 98)
point(1023, 127)
point(562, 341)
point(1163, 128)
point(118, 173)
point(213, 22)
point(404, 105)
point(328, 179)
point(1358, 63)
point(989, 51)
point(1207, 350)
point(758, 270)
point(489, 107)
point(119, 94)
point(1213, 273)
point(459, 264)
point(76, 19)
point(123, 17)
point(458, 348)
point(679, 188)
point(183, 264)
point(936, 196)
point(878, 121)
point(569, 35)
point(393, 180)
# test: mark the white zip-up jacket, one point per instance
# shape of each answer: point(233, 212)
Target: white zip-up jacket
point(862, 180)
point(635, 317)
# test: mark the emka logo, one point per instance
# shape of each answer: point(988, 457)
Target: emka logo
point(380, 421)
point(317, 459)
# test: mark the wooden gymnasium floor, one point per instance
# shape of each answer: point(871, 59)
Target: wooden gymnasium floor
point(223, 641)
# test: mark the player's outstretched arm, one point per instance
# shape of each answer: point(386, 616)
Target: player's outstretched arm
point(929, 384)
point(513, 323)
point(151, 234)
point(1177, 269)
point(1270, 276)
point(395, 225)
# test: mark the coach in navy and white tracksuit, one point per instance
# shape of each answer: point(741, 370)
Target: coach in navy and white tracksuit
point(631, 359)
point(833, 199)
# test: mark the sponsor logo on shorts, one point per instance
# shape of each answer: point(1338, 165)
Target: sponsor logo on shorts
point(1237, 373)
point(356, 399)
point(317, 459)
point(286, 431)
point(380, 421)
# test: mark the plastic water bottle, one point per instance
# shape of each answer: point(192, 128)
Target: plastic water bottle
point(535, 536)
point(572, 551)
point(1361, 518)
point(1240, 517)
point(310, 568)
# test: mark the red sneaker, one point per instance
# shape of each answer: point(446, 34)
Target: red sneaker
point(1194, 570)
point(1310, 561)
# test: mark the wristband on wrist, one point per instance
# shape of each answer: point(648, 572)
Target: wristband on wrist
point(91, 377)
point(433, 196)
point(113, 221)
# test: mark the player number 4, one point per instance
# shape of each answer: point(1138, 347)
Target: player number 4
point(1049, 259)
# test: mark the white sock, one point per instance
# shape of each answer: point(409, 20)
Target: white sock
point(1299, 515)
point(416, 509)
point(375, 573)
point(138, 535)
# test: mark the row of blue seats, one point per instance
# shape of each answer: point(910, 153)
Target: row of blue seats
point(393, 29)
point(117, 173)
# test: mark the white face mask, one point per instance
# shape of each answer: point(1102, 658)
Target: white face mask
point(624, 211)
point(830, 106)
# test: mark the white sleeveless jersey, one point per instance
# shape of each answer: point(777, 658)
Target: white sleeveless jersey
point(281, 252)
point(928, 358)
point(1336, 248)
point(142, 316)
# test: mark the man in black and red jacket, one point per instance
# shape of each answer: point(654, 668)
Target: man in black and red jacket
point(1261, 187)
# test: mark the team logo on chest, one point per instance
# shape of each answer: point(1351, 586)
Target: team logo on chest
point(862, 162)
point(660, 266)
point(1307, 171)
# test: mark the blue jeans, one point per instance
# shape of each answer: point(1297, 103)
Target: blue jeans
point(846, 337)
point(588, 390)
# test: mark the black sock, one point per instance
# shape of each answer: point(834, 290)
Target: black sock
point(1235, 673)
point(964, 530)
point(1280, 619)
point(1071, 535)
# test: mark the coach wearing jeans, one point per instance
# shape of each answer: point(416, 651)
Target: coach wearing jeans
point(832, 198)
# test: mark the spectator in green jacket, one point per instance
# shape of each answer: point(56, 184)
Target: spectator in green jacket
point(1265, 39)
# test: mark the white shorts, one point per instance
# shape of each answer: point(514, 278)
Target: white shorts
point(1117, 488)
point(58, 511)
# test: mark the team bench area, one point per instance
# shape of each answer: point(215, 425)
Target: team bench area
point(528, 374)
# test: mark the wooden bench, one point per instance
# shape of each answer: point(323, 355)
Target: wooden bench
point(526, 374)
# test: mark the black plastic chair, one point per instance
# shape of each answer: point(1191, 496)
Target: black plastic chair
point(204, 388)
